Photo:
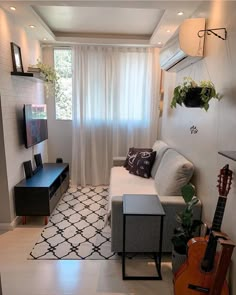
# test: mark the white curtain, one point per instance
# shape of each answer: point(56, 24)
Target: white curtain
point(115, 106)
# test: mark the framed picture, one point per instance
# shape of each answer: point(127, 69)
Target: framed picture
point(16, 58)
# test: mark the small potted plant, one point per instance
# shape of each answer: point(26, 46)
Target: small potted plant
point(186, 229)
point(193, 94)
point(50, 76)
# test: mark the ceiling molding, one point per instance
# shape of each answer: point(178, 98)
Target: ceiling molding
point(167, 19)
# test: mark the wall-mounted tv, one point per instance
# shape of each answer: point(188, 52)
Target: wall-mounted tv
point(35, 124)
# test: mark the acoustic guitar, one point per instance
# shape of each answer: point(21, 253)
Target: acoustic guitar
point(197, 274)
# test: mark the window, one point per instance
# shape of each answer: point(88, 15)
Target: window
point(63, 96)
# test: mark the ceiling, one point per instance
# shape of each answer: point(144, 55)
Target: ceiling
point(101, 22)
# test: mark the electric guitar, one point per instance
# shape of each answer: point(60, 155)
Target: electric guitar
point(197, 274)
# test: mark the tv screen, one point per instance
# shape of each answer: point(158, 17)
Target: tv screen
point(35, 121)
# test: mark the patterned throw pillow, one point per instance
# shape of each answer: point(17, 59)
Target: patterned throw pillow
point(127, 157)
point(133, 152)
point(142, 165)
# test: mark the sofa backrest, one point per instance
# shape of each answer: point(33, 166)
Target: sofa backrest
point(160, 147)
point(174, 171)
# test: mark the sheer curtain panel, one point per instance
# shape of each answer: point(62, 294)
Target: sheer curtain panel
point(115, 106)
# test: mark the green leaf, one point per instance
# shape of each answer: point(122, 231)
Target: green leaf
point(187, 192)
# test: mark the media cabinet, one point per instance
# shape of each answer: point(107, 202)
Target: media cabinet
point(38, 195)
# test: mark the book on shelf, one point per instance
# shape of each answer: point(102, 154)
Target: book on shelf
point(33, 70)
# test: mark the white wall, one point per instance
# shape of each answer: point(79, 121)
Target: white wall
point(216, 128)
point(15, 92)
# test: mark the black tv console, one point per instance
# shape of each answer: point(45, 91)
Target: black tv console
point(38, 195)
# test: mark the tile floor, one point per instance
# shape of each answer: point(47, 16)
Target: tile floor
point(68, 277)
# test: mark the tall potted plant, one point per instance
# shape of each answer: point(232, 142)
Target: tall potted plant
point(186, 229)
point(193, 94)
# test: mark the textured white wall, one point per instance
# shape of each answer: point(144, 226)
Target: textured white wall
point(15, 92)
point(216, 128)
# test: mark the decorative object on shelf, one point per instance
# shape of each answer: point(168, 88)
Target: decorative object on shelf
point(193, 94)
point(49, 74)
point(186, 229)
point(59, 160)
point(212, 31)
point(16, 58)
point(28, 169)
point(38, 160)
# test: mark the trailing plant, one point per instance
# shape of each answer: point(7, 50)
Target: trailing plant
point(51, 77)
point(49, 73)
point(207, 92)
point(187, 226)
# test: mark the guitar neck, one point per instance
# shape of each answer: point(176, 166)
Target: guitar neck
point(208, 260)
point(219, 213)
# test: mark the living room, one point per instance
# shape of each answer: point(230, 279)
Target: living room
point(195, 133)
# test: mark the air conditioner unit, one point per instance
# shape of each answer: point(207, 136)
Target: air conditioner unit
point(185, 48)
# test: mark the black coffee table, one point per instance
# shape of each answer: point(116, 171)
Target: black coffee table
point(142, 205)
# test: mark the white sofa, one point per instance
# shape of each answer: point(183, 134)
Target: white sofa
point(170, 172)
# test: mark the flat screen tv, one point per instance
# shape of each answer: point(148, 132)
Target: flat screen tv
point(35, 124)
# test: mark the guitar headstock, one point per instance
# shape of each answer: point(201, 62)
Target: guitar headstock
point(224, 181)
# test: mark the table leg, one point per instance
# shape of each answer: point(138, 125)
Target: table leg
point(0, 285)
point(160, 246)
point(123, 252)
point(23, 220)
point(46, 220)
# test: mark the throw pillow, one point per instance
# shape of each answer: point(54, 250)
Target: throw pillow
point(127, 157)
point(143, 164)
point(172, 174)
point(133, 152)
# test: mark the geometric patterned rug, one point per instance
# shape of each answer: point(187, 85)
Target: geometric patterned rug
point(76, 227)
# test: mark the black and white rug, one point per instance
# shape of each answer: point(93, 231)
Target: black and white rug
point(76, 228)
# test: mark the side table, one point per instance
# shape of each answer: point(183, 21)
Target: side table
point(142, 205)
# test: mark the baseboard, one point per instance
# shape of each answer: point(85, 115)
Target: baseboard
point(10, 226)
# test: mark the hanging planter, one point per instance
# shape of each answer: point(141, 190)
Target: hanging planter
point(194, 95)
point(193, 98)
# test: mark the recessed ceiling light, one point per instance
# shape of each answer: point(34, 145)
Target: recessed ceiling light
point(32, 26)
point(44, 39)
point(159, 43)
point(180, 13)
point(168, 31)
point(12, 8)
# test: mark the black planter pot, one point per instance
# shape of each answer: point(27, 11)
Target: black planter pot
point(177, 260)
point(193, 98)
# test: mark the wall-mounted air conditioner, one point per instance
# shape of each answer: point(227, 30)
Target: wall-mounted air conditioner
point(185, 48)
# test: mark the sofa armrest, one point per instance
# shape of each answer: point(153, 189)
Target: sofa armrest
point(118, 161)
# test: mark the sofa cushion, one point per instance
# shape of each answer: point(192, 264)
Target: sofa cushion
point(143, 164)
point(173, 173)
point(160, 147)
point(122, 182)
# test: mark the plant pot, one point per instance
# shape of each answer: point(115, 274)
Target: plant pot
point(193, 98)
point(177, 260)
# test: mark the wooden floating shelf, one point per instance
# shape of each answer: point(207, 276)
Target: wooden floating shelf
point(28, 75)
point(228, 154)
